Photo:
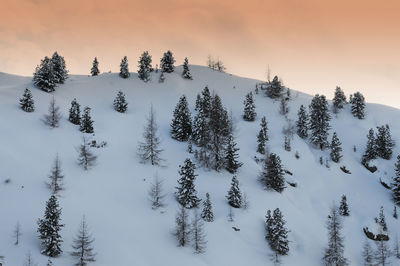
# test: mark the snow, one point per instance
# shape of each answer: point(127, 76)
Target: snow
point(113, 195)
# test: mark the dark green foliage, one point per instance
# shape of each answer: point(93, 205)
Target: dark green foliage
point(186, 71)
point(59, 68)
point(249, 113)
point(274, 89)
point(75, 113)
point(370, 150)
point(396, 183)
point(344, 208)
point(277, 233)
point(124, 68)
point(181, 126)
point(167, 62)
point(273, 175)
point(26, 102)
point(319, 121)
point(44, 76)
point(358, 105)
point(336, 149)
point(187, 194)
point(94, 71)
point(339, 100)
point(145, 67)
point(382, 220)
point(234, 195)
point(207, 213)
point(262, 136)
point(86, 122)
point(302, 122)
point(231, 158)
point(120, 104)
point(384, 142)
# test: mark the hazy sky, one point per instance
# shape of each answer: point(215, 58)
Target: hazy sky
point(313, 45)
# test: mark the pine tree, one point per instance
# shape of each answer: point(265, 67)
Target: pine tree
point(186, 71)
point(262, 136)
point(358, 105)
point(339, 100)
point(249, 113)
point(161, 79)
point(370, 150)
point(124, 68)
point(382, 220)
point(120, 104)
point(149, 150)
point(344, 208)
point(181, 126)
point(95, 68)
point(319, 121)
point(274, 88)
point(86, 158)
point(283, 107)
point(207, 213)
point(182, 229)
point(206, 101)
point(272, 176)
point(396, 183)
point(334, 253)
point(59, 68)
point(231, 158)
point(234, 195)
point(50, 227)
point(156, 193)
point(384, 142)
point(302, 122)
point(44, 77)
point(56, 177)
point(200, 132)
point(82, 245)
point(26, 102)
point(277, 234)
point(287, 145)
point(86, 122)
point(167, 62)
point(395, 213)
point(382, 253)
point(53, 117)
point(187, 194)
point(368, 254)
point(336, 149)
point(75, 113)
point(197, 233)
point(145, 67)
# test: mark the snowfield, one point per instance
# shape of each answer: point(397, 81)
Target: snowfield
point(113, 195)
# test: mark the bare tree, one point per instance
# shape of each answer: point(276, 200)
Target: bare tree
point(29, 260)
point(56, 178)
point(182, 229)
point(53, 117)
point(396, 249)
point(198, 235)
point(231, 215)
point(368, 254)
point(382, 253)
point(83, 245)
point(156, 192)
point(17, 232)
point(86, 157)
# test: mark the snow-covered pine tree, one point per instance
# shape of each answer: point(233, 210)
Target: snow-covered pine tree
point(86, 157)
point(277, 234)
point(207, 213)
point(181, 126)
point(182, 228)
point(274, 89)
point(384, 143)
point(232, 163)
point(186, 71)
point(272, 176)
point(206, 101)
point(200, 132)
point(124, 68)
point(344, 207)
point(370, 149)
point(249, 113)
point(145, 67)
point(26, 102)
point(56, 177)
point(50, 227)
point(197, 233)
point(53, 117)
point(358, 105)
point(336, 149)
point(82, 245)
point(382, 220)
point(396, 183)
point(368, 254)
point(339, 100)
point(94, 71)
point(234, 196)
point(302, 122)
point(120, 104)
point(59, 68)
point(334, 253)
point(86, 122)
point(319, 121)
point(167, 62)
point(187, 194)
point(44, 77)
point(75, 113)
point(149, 150)
point(156, 193)
point(262, 136)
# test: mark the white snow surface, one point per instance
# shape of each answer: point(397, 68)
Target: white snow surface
point(113, 195)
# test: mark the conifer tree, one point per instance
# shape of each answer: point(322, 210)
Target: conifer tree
point(75, 113)
point(384, 142)
point(283, 107)
point(382, 253)
point(94, 71)
point(234, 196)
point(124, 68)
point(249, 113)
point(29, 260)
point(262, 136)
point(275, 88)
point(145, 67)
point(382, 220)
point(82, 245)
point(53, 117)
point(200, 133)
point(231, 158)
point(44, 77)
point(334, 253)
point(272, 176)
point(181, 126)
point(156, 193)
point(277, 234)
point(287, 145)
point(50, 227)
point(339, 100)
point(86, 122)
point(395, 213)
point(186, 71)
point(167, 62)
point(187, 194)
point(86, 157)
point(149, 150)
point(370, 150)
point(182, 228)
point(368, 254)
point(396, 183)
point(161, 79)
point(197, 233)
point(206, 101)
point(56, 177)
point(120, 104)
point(344, 208)
point(358, 105)
point(59, 68)
point(319, 121)
point(26, 102)
point(207, 213)
point(302, 122)
point(336, 149)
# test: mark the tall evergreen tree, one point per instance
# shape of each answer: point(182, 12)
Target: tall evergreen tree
point(396, 183)
point(124, 68)
point(277, 234)
point(207, 213)
point(231, 158)
point(186, 71)
point(59, 68)
point(75, 113)
point(358, 105)
point(344, 208)
point(182, 227)
point(53, 117)
point(302, 122)
point(197, 233)
point(26, 102)
point(145, 67)
point(234, 196)
point(187, 194)
point(339, 100)
point(262, 136)
point(167, 62)
point(273, 175)
point(94, 71)
point(44, 77)
point(382, 220)
point(336, 149)
point(200, 132)
point(319, 121)
point(384, 142)
point(86, 157)
point(86, 122)
point(120, 104)
point(56, 177)
point(82, 245)
point(181, 126)
point(206, 101)
point(274, 89)
point(249, 113)
point(50, 227)
point(370, 150)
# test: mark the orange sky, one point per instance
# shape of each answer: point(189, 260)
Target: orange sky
point(313, 45)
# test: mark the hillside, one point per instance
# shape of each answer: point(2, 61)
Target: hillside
point(113, 195)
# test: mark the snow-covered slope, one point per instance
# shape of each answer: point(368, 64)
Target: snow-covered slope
point(113, 195)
